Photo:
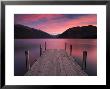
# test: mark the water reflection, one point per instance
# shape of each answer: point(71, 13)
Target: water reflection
point(78, 46)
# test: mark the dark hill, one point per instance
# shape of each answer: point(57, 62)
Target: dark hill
point(24, 32)
point(84, 32)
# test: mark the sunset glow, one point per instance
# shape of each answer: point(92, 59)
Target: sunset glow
point(55, 23)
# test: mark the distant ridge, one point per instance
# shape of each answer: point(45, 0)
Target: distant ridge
point(80, 32)
point(84, 32)
point(24, 32)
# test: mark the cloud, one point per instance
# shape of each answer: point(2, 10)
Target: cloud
point(55, 23)
point(59, 26)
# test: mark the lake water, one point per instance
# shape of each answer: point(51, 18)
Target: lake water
point(33, 45)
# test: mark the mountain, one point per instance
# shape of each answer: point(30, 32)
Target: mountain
point(24, 32)
point(84, 32)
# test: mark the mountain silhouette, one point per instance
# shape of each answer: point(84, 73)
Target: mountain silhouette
point(24, 32)
point(84, 32)
point(80, 32)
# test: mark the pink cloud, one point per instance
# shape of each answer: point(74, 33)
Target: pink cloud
point(55, 27)
point(55, 23)
point(32, 17)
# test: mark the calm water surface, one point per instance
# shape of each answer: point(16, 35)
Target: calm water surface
point(79, 45)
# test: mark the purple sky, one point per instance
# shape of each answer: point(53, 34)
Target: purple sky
point(55, 23)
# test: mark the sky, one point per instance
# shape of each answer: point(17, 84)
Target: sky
point(55, 23)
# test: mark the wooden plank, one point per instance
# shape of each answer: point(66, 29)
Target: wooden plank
point(55, 62)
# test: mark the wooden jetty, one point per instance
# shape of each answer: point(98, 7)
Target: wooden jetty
point(54, 62)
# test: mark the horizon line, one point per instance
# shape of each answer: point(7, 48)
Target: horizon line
point(54, 34)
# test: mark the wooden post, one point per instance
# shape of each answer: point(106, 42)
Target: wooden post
point(65, 46)
point(70, 50)
point(84, 60)
point(45, 46)
point(40, 50)
point(27, 59)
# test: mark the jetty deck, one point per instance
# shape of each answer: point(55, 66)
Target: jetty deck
point(55, 62)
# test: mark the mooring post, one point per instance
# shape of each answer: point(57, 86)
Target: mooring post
point(70, 50)
point(45, 46)
point(27, 59)
point(40, 50)
point(84, 60)
point(65, 46)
